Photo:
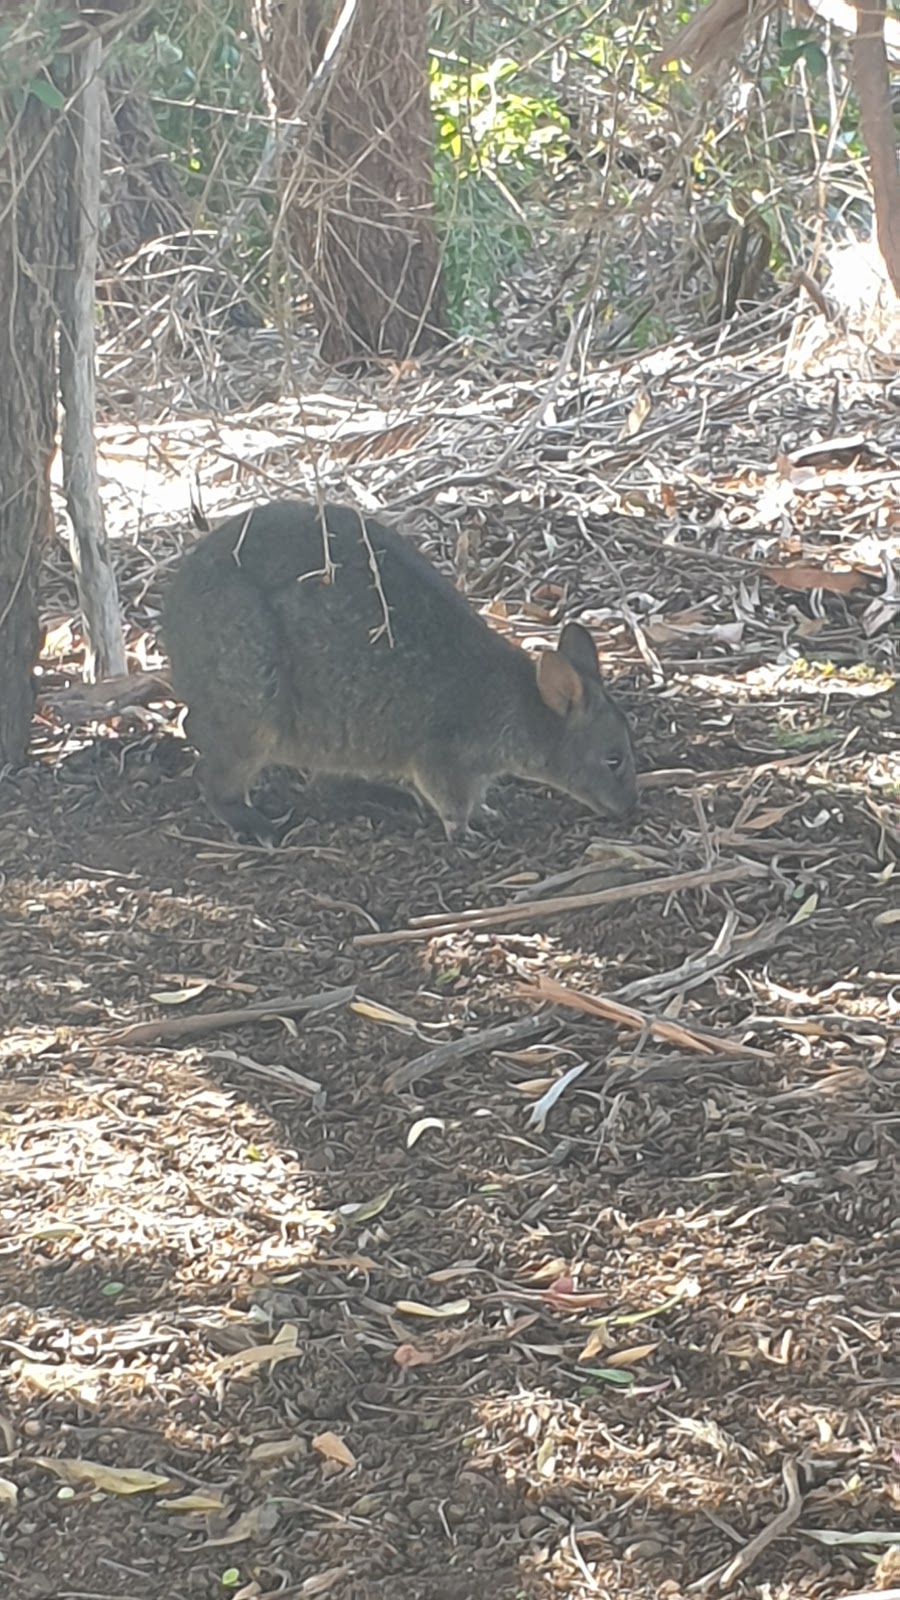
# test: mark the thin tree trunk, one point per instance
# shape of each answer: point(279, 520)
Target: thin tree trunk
point(31, 192)
point(873, 89)
point(96, 580)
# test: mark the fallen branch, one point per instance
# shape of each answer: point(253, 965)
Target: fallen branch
point(698, 969)
point(78, 703)
point(455, 1050)
point(661, 1028)
point(773, 1530)
point(207, 1021)
point(432, 926)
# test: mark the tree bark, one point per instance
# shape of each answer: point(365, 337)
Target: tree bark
point(31, 205)
point(873, 89)
point(94, 574)
point(356, 183)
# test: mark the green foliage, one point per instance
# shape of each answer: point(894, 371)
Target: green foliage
point(30, 62)
point(802, 44)
point(493, 140)
point(199, 70)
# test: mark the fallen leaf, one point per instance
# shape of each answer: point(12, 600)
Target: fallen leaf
point(195, 1501)
point(112, 1480)
point(178, 997)
point(422, 1126)
point(631, 1356)
point(252, 1524)
point(598, 1340)
point(803, 575)
point(256, 1356)
point(376, 1012)
point(277, 1449)
point(767, 819)
point(408, 1355)
point(366, 1209)
point(414, 1308)
point(334, 1449)
point(9, 1492)
point(548, 1272)
point(806, 910)
point(637, 416)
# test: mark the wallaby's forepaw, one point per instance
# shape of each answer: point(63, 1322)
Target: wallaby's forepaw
point(247, 823)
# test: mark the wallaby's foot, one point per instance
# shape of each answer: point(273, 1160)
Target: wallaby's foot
point(246, 822)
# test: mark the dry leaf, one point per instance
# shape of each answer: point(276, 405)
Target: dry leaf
point(407, 1355)
point(334, 1449)
point(277, 1449)
point(252, 1524)
point(197, 1500)
point(413, 1308)
point(598, 1342)
point(804, 575)
point(256, 1356)
point(177, 997)
point(422, 1126)
point(806, 910)
point(112, 1480)
point(767, 819)
point(631, 1356)
point(366, 1209)
point(61, 1377)
point(637, 416)
point(375, 1012)
point(548, 1272)
point(9, 1492)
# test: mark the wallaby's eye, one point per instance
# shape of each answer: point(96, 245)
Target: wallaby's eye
point(614, 763)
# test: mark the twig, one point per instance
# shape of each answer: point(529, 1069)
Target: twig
point(208, 1021)
point(662, 1028)
point(447, 1055)
point(773, 1530)
point(698, 969)
point(431, 927)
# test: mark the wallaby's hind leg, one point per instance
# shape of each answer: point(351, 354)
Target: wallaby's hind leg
point(227, 767)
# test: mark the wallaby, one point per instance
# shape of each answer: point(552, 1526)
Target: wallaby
point(341, 649)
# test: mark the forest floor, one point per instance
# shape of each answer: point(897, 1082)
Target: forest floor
point(294, 1303)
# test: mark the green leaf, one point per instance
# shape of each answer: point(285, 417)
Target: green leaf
point(816, 60)
point(47, 93)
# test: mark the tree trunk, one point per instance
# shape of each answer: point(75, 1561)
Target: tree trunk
point(356, 183)
point(873, 87)
point(94, 574)
point(31, 206)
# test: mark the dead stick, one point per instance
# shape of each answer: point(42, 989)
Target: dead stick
point(446, 1055)
point(773, 1530)
point(498, 916)
point(606, 1009)
point(208, 1021)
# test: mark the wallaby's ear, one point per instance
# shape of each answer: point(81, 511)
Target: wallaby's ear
point(559, 685)
point(576, 644)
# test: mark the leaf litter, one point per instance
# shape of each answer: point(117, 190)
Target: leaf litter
point(591, 1083)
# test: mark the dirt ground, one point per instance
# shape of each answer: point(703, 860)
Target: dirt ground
point(280, 1317)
